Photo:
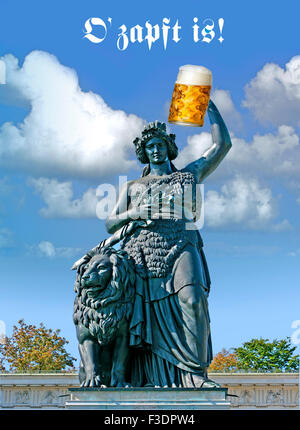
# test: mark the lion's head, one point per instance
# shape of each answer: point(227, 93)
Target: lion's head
point(105, 292)
point(97, 275)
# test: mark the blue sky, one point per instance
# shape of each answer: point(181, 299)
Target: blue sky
point(69, 111)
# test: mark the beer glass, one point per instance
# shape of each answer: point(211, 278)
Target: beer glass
point(190, 96)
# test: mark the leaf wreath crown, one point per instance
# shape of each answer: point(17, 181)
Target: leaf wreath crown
point(154, 129)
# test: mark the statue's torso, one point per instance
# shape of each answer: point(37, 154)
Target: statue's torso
point(156, 247)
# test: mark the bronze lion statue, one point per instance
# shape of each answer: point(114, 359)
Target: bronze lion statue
point(103, 306)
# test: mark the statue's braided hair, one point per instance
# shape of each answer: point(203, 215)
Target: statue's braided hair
point(155, 129)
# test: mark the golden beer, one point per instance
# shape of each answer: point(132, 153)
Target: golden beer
point(190, 96)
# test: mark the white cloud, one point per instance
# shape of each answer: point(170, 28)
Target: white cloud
point(58, 197)
point(245, 203)
point(67, 131)
point(196, 146)
point(47, 249)
point(294, 253)
point(241, 203)
point(224, 103)
point(5, 187)
point(274, 94)
point(6, 238)
point(259, 249)
point(266, 156)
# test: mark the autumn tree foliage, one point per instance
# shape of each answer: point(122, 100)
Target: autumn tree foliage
point(224, 361)
point(32, 348)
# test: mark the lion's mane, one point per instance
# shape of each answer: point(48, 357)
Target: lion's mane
point(102, 315)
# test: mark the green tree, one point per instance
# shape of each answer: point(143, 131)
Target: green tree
point(32, 348)
point(267, 356)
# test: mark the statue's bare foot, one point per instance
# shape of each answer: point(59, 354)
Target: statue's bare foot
point(149, 385)
point(119, 382)
point(124, 384)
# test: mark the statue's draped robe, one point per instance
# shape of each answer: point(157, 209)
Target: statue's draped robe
point(171, 339)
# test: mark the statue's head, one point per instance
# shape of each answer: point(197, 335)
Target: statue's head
point(155, 133)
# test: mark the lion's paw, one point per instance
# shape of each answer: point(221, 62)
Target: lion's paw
point(92, 381)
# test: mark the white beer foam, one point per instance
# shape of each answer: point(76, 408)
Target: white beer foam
point(194, 75)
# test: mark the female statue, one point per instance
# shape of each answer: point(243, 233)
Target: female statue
point(170, 328)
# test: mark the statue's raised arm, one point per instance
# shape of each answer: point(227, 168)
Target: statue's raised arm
point(141, 311)
point(211, 158)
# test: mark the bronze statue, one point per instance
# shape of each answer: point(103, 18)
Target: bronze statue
point(169, 329)
point(102, 312)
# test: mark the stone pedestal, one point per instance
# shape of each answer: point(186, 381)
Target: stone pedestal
point(148, 398)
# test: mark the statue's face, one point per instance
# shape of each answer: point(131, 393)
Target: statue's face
point(156, 150)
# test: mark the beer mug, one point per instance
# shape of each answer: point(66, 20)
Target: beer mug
point(190, 96)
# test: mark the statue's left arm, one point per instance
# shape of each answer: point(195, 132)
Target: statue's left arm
point(112, 240)
point(213, 156)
